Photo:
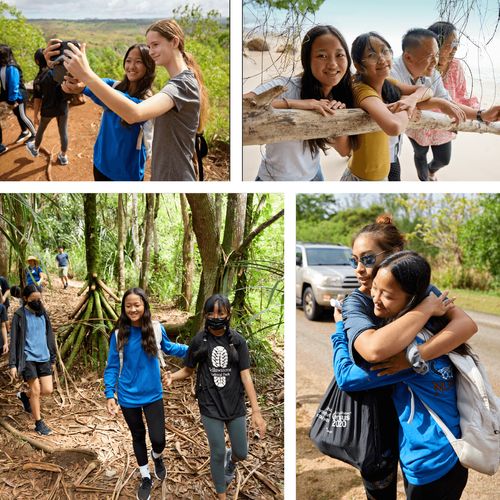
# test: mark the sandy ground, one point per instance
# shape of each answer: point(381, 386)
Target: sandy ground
point(320, 477)
point(83, 125)
point(474, 156)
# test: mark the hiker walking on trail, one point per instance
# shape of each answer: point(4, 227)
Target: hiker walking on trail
point(33, 353)
point(221, 357)
point(34, 273)
point(13, 91)
point(133, 375)
point(62, 259)
point(51, 102)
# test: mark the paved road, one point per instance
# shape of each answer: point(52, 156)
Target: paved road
point(314, 353)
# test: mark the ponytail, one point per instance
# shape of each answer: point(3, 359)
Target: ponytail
point(168, 28)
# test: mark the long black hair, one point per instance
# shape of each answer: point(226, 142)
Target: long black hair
point(390, 93)
point(7, 59)
point(223, 303)
point(311, 87)
point(443, 30)
point(28, 290)
point(144, 84)
point(123, 324)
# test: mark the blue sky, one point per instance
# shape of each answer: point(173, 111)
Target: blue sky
point(109, 9)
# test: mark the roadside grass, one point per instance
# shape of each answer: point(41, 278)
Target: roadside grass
point(484, 302)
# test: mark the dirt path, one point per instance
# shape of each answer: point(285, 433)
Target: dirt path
point(320, 477)
point(83, 125)
point(78, 418)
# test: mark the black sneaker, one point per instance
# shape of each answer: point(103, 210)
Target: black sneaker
point(25, 400)
point(144, 490)
point(229, 466)
point(42, 428)
point(3, 149)
point(160, 470)
point(23, 136)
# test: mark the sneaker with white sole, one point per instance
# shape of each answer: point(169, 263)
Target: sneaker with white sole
point(30, 146)
point(3, 149)
point(144, 490)
point(42, 428)
point(63, 159)
point(160, 470)
point(229, 466)
point(23, 136)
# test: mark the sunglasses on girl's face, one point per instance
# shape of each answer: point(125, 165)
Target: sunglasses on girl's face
point(367, 260)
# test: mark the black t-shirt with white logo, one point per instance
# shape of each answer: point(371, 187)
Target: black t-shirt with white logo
point(219, 388)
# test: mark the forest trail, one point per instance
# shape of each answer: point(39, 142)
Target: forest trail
point(83, 126)
point(77, 415)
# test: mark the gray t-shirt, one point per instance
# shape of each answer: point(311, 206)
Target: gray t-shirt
point(287, 160)
point(175, 131)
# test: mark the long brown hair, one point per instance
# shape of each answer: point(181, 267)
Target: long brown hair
point(168, 28)
point(385, 233)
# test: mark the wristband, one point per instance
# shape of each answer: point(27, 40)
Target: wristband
point(286, 102)
point(479, 116)
point(415, 359)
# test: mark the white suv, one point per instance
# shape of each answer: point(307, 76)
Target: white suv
point(322, 273)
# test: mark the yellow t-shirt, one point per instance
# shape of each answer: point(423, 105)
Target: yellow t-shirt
point(371, 160)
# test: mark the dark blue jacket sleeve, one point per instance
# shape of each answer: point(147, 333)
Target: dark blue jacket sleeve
point(351, 377)
point(172, 348)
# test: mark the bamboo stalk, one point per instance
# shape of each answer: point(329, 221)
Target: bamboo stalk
point(82, 289)
point(109, 308)
point(77, 332)
point(79, 306)
point(107, 289)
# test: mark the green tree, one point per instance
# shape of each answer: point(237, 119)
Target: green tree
point(315, 207)
point(301, 6)
point(23, 38)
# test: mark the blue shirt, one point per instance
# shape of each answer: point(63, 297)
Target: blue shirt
point(62, 259)
point(139, 382)
point(425, 453)
point(116, 152)
point(35, 346)
point(33, 272)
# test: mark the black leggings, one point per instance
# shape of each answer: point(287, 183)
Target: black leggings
point(99, 176)
point(155, 418)
point(441, 157)
point(448, 487)
point(382, 486)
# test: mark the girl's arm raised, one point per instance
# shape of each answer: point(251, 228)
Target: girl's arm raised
point(391, 123)
point(257, 420)
point(76, 63)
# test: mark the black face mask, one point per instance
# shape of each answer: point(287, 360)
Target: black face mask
point(217, 323)
point(36, 305)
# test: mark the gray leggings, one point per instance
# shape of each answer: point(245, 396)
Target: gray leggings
point(62, 125)
point(215, 433)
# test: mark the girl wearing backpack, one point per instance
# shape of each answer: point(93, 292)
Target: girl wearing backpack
point(221, 358)
point(133, 374)
point(32, 353)
point(13, 92)
point(120, 150)
point(371, 342)
point(430, 466)
point(180, 108)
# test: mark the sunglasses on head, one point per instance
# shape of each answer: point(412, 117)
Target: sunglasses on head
point(367, 260)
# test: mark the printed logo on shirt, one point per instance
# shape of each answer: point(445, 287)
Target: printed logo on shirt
point(447, 381)
point(219, 369)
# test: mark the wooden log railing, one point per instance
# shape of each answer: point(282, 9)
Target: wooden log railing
point(263, 124)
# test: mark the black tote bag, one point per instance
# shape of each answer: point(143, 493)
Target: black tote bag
point(359, 428)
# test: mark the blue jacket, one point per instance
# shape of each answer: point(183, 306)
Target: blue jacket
point(14, 85)
point(140, 381)
point(115, 151)
point(424, 451)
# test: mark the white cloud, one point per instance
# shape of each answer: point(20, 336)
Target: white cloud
point(110, 9)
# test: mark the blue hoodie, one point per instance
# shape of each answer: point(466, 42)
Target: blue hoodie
point(424, 451)
point(116, 154)
point(140, 381)
point(14, 85)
